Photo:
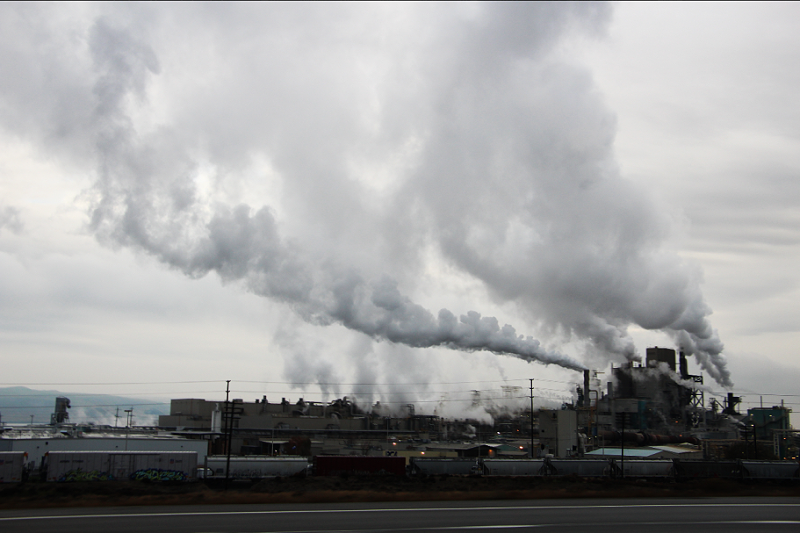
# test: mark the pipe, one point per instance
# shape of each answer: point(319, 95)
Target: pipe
point(643, 439)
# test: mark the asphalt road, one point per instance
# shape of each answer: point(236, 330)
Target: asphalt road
point(590, 515)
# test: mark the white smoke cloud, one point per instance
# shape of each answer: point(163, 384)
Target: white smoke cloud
point(383, 133)
point(10, 219)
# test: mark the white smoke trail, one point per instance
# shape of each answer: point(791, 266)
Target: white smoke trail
point(391, 131)
point(241, 245)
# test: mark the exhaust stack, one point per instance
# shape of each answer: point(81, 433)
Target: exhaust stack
point(684, 368)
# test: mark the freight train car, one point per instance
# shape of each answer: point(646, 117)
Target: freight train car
point(579, 467)
point(334, 465)
point(255, 467)
point(12, 466)
point(644, 469)
point(452, 466)
point(649, 469)
point(770, 470)
point(513, 467)
point(698, 469)
point(117, 466)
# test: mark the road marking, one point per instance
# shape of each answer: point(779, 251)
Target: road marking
point(395, 510)
point(559, 525)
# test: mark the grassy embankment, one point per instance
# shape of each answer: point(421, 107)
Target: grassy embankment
point(368, 489)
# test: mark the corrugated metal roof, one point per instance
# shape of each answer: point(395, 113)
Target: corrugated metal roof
point(677, 449)
point(629, 452)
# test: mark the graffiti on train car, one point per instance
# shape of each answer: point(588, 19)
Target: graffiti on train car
point(80, 475)
point(157, 474)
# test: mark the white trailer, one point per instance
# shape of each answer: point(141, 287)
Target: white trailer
point(255, 466)
point(119, 466)
point(12, 466)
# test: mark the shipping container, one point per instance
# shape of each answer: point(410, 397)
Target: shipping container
point(334, 465)
point(12, 466)
point(513, 467)
point(256, 467)
point(118, 466)
point(438, 466)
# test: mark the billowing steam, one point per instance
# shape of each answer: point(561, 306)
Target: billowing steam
point(388, 136)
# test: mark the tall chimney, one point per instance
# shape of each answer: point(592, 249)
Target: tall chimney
point(683, 366)
point(587, 401)
point(611, 400)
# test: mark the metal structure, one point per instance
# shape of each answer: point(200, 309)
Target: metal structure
point(60, 414)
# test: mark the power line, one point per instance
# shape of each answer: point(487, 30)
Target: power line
point(106, 383)
point(331, 384)
point(84, 406)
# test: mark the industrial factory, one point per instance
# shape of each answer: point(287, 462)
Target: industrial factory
point(654, 410)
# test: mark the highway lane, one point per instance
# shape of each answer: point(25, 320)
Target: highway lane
point(595, 515)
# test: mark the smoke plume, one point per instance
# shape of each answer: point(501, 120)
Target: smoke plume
point(330, 157)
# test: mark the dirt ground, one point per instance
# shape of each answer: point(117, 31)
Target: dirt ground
point(369, 489)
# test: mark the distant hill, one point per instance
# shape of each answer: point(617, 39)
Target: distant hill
point(17, 404)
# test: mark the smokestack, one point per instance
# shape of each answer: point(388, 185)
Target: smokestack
point(587, 401)
point(611, 400)
point(683, 366)
point(60, 414)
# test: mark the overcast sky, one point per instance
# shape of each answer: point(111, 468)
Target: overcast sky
point(405, 201)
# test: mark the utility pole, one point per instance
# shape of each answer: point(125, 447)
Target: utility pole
point(622, 440)
point(755, 442)
point(229, 430)
point(531, 380)
point(128, 424)
point(746, 443)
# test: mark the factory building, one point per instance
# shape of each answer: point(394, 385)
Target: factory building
point(336, 416)
point(653, 405)
point(658, 396)
point(264, 428)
